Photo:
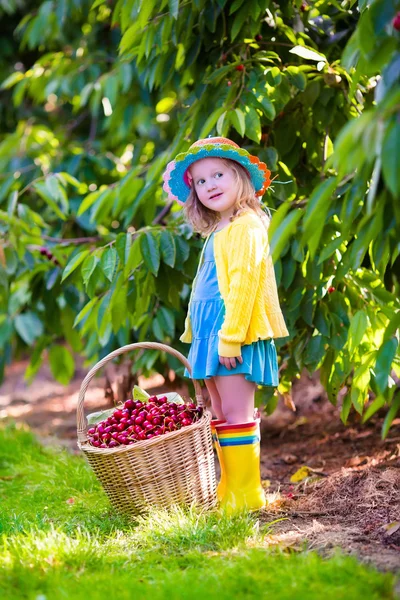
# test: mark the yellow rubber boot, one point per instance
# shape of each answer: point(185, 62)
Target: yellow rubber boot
point(222, 482)
point(240, 450)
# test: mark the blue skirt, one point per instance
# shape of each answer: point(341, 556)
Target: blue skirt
point(207, 312)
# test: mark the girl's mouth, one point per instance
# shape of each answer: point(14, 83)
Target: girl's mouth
point(216, 196)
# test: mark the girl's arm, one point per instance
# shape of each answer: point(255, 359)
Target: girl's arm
point(245, 256)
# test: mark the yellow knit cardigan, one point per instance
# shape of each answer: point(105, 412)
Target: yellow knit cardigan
point(247, 284)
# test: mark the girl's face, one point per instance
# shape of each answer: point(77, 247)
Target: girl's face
point(215, 185)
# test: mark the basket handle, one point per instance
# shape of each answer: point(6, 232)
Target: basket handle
point(80, 417)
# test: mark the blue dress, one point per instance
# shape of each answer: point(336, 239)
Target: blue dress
point(207, 311)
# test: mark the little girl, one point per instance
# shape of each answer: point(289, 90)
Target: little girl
point(234, 311)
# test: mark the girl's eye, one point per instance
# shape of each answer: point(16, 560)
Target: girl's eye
point(218, 175)
point(200, 181)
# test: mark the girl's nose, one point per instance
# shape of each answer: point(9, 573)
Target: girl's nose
point(211, 185)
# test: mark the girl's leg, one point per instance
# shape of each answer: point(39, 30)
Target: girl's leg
point(215, 399)
point(237, 398)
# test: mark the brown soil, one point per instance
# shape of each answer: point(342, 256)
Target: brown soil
point(349, 499)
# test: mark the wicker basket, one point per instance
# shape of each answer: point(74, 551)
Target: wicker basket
point(175, 468)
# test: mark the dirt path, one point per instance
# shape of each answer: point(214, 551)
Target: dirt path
point(350, 497)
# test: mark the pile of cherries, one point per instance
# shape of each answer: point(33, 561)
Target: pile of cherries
point(137, 421)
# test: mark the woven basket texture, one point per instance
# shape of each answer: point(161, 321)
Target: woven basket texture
point(175, 468)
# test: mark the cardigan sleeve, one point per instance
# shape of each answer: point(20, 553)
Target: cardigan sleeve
point(246, 248)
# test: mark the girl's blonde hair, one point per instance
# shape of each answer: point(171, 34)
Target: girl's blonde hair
point(204, 220)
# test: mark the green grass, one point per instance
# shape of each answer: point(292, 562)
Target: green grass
point(52, 549)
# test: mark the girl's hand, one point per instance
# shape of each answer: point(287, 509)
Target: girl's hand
point(230, 363)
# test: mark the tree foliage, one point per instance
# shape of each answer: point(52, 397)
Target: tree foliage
point(98, 96)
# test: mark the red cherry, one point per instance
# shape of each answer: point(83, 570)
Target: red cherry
point(120, 427)
point(91, 431)
point(396, 22)
point(239, 67)
point(112, 444)
point(259, 37)
point(331, 290)
point(117, 414)
point(129, 404)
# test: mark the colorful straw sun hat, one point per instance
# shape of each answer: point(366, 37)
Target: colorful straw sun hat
point(176, 180)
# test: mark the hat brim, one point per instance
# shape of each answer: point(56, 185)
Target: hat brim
point(176, 183)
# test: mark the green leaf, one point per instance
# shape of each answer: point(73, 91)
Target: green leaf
point(167, 320)
point(56, 191)
point(168, 249)
point(61, 364)
point(221, 123)
point(216, 75)
point(29, 327)
point(330, 249)
point(268, 107)
point(316, 211)
point(357, 329)
point(376, 405)
point(358, 397)
point(390, 417)
point(393, 325)
point(383, 365)
point(210, 122)
point(237, 119)
point(85, 310)
point(88, 201)
point(253, 124)
point(44, 192)
point(108, 262)
point(12, 80)
point(100, 415)
point(235, 5)
point(314, 352)
point(238, 21)
point(173, 8)
point(296, 77)
point(345, 411)
point(284, 232)
point(74, 263)
point(135, 257)
point(67, 178)
point(89, 265)
point(308, 53)
point(391, 158)
point(149, 244)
